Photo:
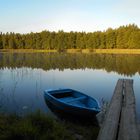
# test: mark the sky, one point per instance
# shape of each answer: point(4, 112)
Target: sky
point(25, 16)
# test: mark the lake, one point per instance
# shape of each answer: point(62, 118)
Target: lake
point(24, 77)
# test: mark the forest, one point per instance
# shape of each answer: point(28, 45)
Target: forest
point(124, 37)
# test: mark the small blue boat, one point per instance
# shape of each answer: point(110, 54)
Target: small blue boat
point(72, 102)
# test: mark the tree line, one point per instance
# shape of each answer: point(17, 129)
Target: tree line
point(124, 37)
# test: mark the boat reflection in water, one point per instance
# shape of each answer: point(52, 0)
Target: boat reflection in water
point(72, 105)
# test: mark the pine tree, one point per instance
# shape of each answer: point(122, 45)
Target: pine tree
point(1, 45)
point(123, 37)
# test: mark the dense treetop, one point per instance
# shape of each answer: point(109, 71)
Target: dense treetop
point(123, 37)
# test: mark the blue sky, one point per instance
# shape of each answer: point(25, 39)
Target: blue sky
point(69, 15)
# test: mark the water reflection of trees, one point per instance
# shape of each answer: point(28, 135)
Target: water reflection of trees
point(122, 64)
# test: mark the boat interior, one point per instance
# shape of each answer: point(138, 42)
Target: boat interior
point(76, 99)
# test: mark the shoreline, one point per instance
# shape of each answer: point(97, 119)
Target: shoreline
point(97, 51)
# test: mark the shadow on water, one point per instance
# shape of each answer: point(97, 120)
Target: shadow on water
point(66, 116)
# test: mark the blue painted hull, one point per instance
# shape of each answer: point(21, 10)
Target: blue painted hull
point(72, 102)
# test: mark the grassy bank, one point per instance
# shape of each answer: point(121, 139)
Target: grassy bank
point(38, 126)
point(118, 51)
point(26, 50)
point(107, 51)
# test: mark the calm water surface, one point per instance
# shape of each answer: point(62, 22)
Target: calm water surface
point(24, 77)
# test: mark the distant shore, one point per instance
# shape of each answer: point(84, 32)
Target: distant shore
point(106, 51)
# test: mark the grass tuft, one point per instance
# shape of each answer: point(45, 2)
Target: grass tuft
point(39, 126)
